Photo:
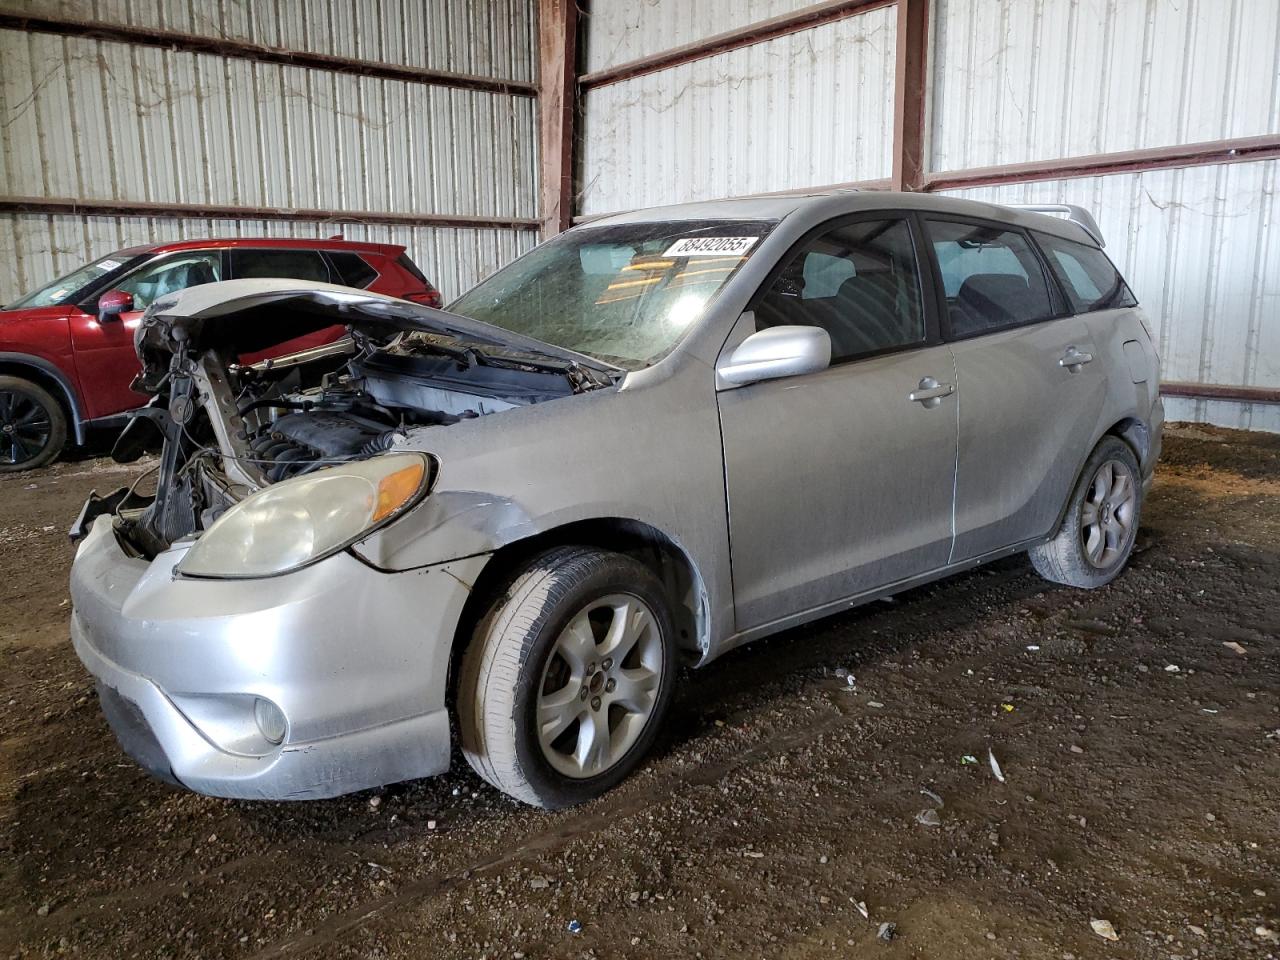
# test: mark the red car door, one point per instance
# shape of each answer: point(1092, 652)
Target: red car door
point(105, 359)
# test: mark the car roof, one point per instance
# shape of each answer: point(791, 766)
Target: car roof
point(822, 205)
point(281, 243)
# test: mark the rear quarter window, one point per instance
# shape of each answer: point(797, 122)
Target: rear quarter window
point(1090, 279)
point(287, 263)
point(352, 270)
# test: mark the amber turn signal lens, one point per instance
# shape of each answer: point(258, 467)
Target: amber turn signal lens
point(397, 489)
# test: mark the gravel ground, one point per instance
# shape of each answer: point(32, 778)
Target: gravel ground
point(1137, 729)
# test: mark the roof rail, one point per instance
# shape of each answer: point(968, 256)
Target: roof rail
point(1081, 217)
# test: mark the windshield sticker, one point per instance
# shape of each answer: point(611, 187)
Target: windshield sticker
point(105, 265)
point(710, 246)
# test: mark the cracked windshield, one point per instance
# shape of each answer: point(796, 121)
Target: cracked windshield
point(624, 294)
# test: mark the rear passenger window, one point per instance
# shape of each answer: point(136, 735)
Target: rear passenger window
point(991, 277)
point(1091, 282)
point(290, 264)
point(858, 282)
point(352, 270)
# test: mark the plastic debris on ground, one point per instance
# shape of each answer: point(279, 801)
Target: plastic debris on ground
point(575, 926)
point(887, 931)
point(861, 907)
point(1104, 929)
point(1007, 707)
point(929, 818)
point(1172, 668)
point(1232, 645)
point(995, 765)
point(968, 759)
point(932, 796)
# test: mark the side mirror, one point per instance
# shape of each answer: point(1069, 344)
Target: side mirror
point(776, 352)
point(113, 303)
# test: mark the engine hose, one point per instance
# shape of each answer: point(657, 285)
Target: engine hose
point(284, 463)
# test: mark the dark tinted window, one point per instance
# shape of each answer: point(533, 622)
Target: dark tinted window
point(290, 264)
point(991, 277)
point(352, 269)
point(858, 282)
point(1091, 282)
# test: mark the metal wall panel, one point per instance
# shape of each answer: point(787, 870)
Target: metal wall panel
point(111, 121)
point(490, 38)
point(36, 248)
point(814, 107)
point(1021, 80)
point(620, 32)
point(1200, 249)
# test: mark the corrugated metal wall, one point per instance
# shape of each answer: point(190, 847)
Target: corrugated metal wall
point(619, 32)
point(1018, 80)
point(97, 120)
point(808, 108)
point(491, 38)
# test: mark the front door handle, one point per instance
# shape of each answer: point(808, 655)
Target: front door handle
point(1074, 359)
point(930, 392)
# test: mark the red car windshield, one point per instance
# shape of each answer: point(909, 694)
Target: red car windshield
point(65, 289)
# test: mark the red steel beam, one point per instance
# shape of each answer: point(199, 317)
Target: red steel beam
point(771, 29)
point(557, 111)
point(1218, 391)
point(243, 50)
point(910, 85)
point(1104, 164)
point(132, 208)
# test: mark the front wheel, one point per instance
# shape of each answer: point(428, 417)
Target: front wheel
point(33, 428)
point(1101, 523)
point(567, 680)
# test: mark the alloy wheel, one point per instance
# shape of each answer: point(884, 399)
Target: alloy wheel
point(1108, 513)
point(25, 427)
point(599, 686)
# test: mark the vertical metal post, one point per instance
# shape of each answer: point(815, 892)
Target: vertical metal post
point(557, 109)
point(911, 80)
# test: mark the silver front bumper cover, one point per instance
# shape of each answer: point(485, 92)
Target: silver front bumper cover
point(356, 659)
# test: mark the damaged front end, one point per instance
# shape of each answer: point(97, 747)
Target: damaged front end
point(228, 429)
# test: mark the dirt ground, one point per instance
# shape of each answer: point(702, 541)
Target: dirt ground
point(1141, 757)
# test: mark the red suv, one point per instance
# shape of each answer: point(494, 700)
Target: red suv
point(66, 350)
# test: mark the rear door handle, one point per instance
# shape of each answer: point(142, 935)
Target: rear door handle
point(1074, 359)
point(930, 392)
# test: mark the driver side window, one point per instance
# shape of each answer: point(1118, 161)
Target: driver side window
point(173, 273)
point(858, 282)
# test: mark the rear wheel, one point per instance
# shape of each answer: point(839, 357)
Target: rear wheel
point(33, 428)
point(1101, 524)
point(568, 677)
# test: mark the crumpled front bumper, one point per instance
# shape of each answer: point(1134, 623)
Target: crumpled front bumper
point(355, 658)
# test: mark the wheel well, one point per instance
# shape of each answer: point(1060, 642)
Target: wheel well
point(57, 389)
point(643, 542)
point(1135, 433)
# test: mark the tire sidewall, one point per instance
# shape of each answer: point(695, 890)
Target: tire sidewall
point(621, 575)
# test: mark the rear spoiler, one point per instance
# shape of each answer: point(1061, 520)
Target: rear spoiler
point(1081, 217)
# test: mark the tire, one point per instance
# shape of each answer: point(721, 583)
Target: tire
point(33, 426)
point(556, 613)
point(1101, 523)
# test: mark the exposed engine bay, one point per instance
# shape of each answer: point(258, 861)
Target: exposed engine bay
point(229, 429)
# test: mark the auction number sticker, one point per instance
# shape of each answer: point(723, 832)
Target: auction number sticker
point(710, 246)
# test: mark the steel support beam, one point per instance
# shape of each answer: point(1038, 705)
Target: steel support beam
point(243, 50)
point(1210, 152)
point(1218, 391)
point(803, 19)
point(910, 95)
point(557, 111)
point(131, 208)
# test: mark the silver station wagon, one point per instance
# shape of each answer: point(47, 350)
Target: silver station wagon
point(654, 438)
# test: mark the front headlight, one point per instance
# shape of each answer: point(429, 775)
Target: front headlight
point(296, 522)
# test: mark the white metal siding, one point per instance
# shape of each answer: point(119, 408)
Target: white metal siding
point(110, 121)
point(35, 248)
point(1200, 249)
point(1020, 80)
point(490, 38)
point(814, 107)
point(620, 32)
